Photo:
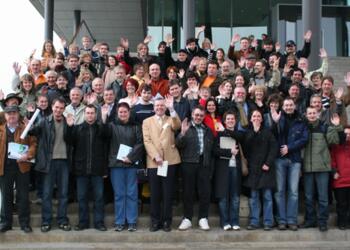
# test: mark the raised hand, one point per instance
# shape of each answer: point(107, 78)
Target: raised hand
point(276, 64)
point(16, 67)
point(147, 39)
point(323, 53)
point(235, 39)
point(32, 54)
point(169, 102)
point(222, 91)
point(63, 42)
point(124, 42)
point(212, 46)
point(339, 94)
point(307, 36)
point(181, 73)
point(30, 107)
point(70, 120)
point(335, 120)
point(275, 116)
point(104, 112)
point(347, 79)
point(169, 39)
point(277, 46)
point(185, 125)
point(199, 31)
point(286, 69)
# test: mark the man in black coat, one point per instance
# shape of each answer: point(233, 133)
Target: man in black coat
point(89, 165)
point(195, 144)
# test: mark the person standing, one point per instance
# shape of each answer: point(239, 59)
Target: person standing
point(52, 161)
point(89, 164)
point(125, 153)
point(15, 171)
point(159, 139)
point(195, 144)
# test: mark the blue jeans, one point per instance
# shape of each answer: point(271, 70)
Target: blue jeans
point(83, 199)
point(255, 207)
point(287, 177)
point(124, 182)
point(321, 180)
point(58, 174)
point(229, 206)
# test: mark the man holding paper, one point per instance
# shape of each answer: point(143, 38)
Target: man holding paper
point(15, 169)
point(162, 158)
point(126, 151)
point(195, 143)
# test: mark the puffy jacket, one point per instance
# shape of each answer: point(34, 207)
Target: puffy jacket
point(89, 149)
point(129, 134)
point(296, 138)
point(45, 133)
point(316, 156)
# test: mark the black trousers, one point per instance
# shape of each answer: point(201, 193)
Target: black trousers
point(196, 177)
point(342, 196)
point(162, 189)
point(13, 175)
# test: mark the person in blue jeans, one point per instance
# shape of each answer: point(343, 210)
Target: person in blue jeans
point(292, 134)
point(52, 161)
point(89, 164)
point(317, 166)
point(261, 149)
point(228, 172)
point(126, 150)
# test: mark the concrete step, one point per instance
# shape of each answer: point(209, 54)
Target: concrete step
point(289, 245)
point(144, 220)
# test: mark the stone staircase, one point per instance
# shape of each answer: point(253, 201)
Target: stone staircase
point(216, 238)
point(338, 67)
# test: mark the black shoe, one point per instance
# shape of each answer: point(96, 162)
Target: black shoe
point(323, 228)
point(65, 227)
point(166, 227)
point(5, 228)
point(341, 227)
point(26, 229)
point(45, 228)
point(252, 227)
point(308, 225)
point(282, 227)
point(154, 227)
point(267, 228)
point(293, 227)
point(119, 228)
point(101, 227)
point(132, 227)
point(80, 227)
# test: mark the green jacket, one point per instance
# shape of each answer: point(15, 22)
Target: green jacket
point(316, 154)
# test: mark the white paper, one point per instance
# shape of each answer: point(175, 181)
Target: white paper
point(31, 121)
point(16, 151)
point(163, 169)
point(123, 151)
point(227, 142)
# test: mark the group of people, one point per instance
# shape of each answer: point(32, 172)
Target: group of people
point(256, 121)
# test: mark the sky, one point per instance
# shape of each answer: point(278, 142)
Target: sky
point(22, 31)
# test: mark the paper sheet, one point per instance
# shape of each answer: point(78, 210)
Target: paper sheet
point(123, 151)
point(163, 170)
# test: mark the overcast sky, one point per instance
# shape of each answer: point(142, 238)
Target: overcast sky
point(22, 30)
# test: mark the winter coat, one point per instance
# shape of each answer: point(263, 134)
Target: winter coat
point(260, 148)
point(341, 164)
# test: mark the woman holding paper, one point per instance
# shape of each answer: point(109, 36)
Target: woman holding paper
point(125, 153)
point(228, 172)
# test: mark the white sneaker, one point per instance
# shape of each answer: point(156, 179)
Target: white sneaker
point(227, 227)
point(203, 224)
point(236, 227)
point(185, 224)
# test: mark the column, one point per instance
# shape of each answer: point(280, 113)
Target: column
point(48, 16)
point(188, 20)
point(77, 21)
point(311, 18)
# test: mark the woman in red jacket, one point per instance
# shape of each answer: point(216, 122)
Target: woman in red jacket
point(341, 180)
point(211, 119)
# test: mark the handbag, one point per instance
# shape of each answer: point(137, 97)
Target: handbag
point(244, 162)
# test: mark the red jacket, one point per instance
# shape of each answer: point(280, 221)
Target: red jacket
point(341, 164)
